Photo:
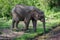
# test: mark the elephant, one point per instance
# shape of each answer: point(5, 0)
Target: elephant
point(27, 13)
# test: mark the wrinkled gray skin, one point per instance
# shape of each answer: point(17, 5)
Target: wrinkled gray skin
point(27, 13)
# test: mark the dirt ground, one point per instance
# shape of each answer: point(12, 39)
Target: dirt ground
point(8, 34)
point(52, 35)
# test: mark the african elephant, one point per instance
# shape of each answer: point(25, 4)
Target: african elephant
point(27, 13)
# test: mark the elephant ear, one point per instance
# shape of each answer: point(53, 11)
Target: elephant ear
point(29, 9)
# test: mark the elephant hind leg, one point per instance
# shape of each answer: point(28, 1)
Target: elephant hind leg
point(16, 24)
point(13, 23)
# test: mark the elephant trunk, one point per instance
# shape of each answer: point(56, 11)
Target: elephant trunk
point(43, 21)
point(44, 25)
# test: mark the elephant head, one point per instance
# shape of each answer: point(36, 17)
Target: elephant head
point(39, 15)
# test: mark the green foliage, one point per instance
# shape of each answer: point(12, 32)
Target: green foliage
point(45, 5)
point(7, 5)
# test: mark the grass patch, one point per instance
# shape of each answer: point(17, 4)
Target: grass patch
point(49, 24)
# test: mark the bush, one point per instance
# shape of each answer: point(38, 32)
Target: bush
point(7, 5)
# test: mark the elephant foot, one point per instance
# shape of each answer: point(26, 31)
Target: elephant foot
point(25, 30)
point(15, 29)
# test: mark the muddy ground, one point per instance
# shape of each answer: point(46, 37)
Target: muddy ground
point(8, 34)
point(54, 34)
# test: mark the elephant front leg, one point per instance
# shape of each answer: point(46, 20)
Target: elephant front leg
point(26, 21)
point(34, 25)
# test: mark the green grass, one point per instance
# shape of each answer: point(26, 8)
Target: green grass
point(49, 24)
